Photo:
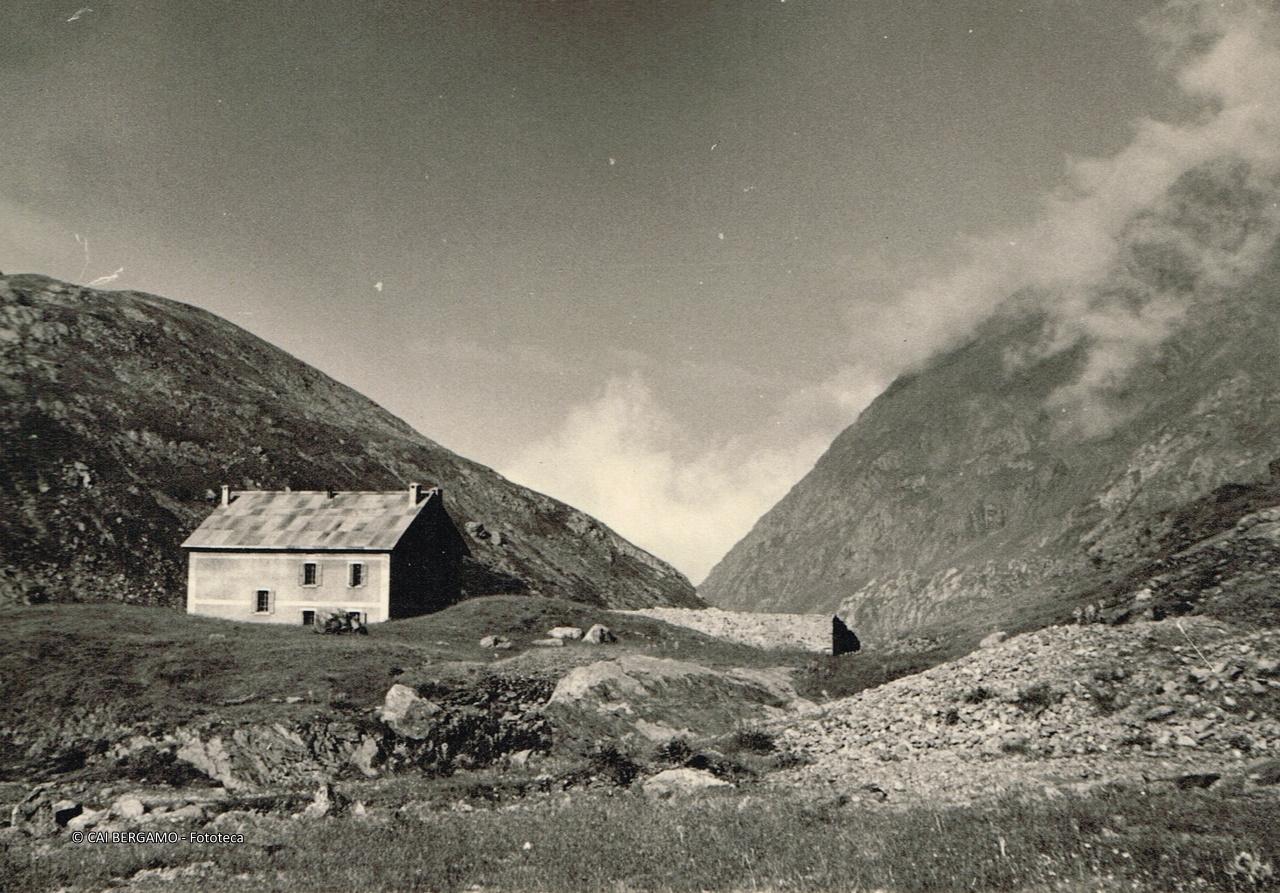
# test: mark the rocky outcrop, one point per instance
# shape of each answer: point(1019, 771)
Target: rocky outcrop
point(408, 714)
point(122, 413)
point(599, 634)
point(247, 757)
point(1000, 479)
point(641, 698)
point(681, 782)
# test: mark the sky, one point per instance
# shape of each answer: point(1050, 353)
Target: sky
point(647, 257)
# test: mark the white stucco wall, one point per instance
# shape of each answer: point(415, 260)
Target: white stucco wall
point(225, 584)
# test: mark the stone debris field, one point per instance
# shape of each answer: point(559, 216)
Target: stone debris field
point(1073, 705)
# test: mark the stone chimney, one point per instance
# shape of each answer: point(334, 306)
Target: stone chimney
point(226, 495)
point(415, 493)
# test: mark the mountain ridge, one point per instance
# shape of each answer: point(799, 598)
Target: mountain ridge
point(124, 412)
point(1006, 471)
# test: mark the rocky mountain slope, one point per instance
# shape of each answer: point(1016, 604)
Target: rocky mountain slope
point(1181, 701)
point(1035, 463)
point(123, 412)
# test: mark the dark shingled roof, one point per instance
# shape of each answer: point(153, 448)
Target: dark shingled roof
point(309, 520)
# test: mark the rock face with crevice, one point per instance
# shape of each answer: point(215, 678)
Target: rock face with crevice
point(121, 414)
point(1011, 472)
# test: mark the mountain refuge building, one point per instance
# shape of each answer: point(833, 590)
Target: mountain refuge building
point(298, 556)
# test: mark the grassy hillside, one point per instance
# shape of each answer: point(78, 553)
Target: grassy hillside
point(140, 665)
point(122, 413)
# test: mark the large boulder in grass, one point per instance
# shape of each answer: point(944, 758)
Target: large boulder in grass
point(567, 633)
point(326, 802)
point(409, 714)
point(650, 699)
point(677, 782)
point(599, 635)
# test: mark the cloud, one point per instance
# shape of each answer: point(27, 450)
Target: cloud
point(623, 458)
point(1226, 60)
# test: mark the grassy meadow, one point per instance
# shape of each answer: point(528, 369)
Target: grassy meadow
point(610, 840)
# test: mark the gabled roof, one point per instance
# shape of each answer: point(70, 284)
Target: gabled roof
point(309, 520)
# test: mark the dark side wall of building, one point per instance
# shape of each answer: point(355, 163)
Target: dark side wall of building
point(425, 565)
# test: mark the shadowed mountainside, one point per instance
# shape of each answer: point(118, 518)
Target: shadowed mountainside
point(1017, 471)
point(123, 412)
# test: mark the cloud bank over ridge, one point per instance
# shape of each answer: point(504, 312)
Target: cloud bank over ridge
point(622, 457)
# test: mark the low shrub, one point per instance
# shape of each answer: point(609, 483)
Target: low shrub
point(1038, 697)
point(676, 751)
point(752, 739)
point(978, 695)
point(607, 762)
point(1105, 700)
point(720, 766)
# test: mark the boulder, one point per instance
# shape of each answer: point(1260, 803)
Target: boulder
point(843, 639)
point(327, 802)
point(192, 812)
point(548, 643)
point(1197, 780)
point(569, 633)
point(364, 756)
point(87, 818)
point(494, 642)
point(599, 635)
point(128, 807)
point(991, 640)
point(397, 701)
point(33, 814)
point(676, 782)
point(650, 699)
point(64, 811)
point(409, 714)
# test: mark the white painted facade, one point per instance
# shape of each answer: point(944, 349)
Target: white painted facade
point(230, 584)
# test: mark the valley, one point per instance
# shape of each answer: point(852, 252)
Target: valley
point(1137, 751)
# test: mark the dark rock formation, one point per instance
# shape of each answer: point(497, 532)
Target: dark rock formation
point(843, 639)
